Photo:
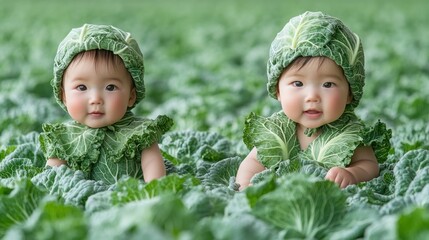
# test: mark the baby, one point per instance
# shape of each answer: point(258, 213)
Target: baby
point(98, 79)
point(316, 72)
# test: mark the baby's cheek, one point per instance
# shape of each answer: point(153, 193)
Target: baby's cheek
point(337, 103)
point(75, 109)
point(119, 105)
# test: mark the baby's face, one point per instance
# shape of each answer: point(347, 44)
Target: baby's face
point(314, 94)
point(96, 94)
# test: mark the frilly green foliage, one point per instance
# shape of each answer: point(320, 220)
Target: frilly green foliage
point(410, 174)
point(196, 152)
point(51, 220)
point(186, 146)
point(305, 208)
point(205, 199)
point(155, 218)
point(131, 189)
point(18, 203)
point(206, 66)
point(410, 137)
point(20, 116)
point(378, 137)
point(71, 186)
point(412, 224)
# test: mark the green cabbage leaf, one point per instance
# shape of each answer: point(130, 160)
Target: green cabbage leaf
point(410, 224)
point(69, 185)
point(18, 203)
point(51, 220)
point(187, 146)
point(163, 217)
point(306, 208)
point(335, 145)
point(274, 137)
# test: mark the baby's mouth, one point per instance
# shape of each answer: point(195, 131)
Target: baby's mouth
point(96, 113)
point(311, 111)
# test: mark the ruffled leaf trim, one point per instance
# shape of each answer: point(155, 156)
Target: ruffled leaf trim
point(129, 141)
point(378, 137)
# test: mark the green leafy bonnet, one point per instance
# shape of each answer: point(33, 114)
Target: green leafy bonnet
point(317, 34)
point(90, 37)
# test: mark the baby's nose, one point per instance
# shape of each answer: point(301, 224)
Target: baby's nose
point(312, 95)
point(96, 98)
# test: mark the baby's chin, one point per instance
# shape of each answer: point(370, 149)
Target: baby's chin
point(94, 124)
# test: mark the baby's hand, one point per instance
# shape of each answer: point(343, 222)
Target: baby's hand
point(340, 176)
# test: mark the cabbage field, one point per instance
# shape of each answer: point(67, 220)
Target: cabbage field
point(205, 68)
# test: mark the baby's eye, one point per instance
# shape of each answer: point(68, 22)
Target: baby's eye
point(297, 84)
point(81, 87)
point(111, 87)
point(328, 84)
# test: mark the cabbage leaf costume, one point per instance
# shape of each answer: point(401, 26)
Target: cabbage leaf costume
point(316, 34)
point(109, 152)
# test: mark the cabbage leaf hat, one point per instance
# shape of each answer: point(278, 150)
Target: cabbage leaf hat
point(106, 37)
point(317, 34)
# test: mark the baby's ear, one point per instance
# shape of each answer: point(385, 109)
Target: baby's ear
point(133, 97)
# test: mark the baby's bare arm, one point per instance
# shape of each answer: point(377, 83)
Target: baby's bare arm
point(364, 164)
point(363, 167)
point(248, 168)
point(152, 163)
point(55, 162)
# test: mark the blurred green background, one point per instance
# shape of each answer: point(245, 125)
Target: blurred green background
point(205, 60)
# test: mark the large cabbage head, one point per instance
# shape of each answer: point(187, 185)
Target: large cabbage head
point(317, 34)
point(90, 37)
